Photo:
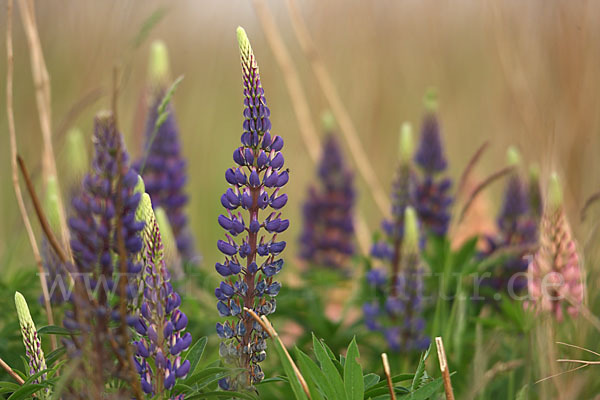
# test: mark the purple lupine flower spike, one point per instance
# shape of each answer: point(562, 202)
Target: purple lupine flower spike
point(97, 210)
point(555, 274)
point(328, 231)
point(162, 165)
point(395, 308)
point(432, 198)
point(251, 245)
point(161, 324)
point(517, 229)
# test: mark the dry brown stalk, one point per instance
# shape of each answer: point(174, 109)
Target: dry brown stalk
point(388, 375)
point(308, 130)
point(7, 367)
point(42, 94)
point(347, 127)
point(15, 172)
point(439, 344)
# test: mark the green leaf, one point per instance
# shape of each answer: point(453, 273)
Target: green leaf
point(329, 368)
point(420, 371)
point(54, 330)
point(25, 391)
point(353, 380)
point(289, 371)
point(314, 375)
point(382, 388)
point(222, 395)
point(370, 380)
point(195, 353)
point(205, 373)
point(55, 355)
point(426, 391)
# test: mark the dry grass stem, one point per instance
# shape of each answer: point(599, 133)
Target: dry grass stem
point(7, 367)
point(308, 130)
point(347, 127)
point(485, 183)
point(441, 352)
point(388, 375)
point(15, 172)
point(42, 94)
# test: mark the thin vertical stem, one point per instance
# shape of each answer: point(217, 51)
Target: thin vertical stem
point(444, 368)
point(308, 130)
point(4, 365)
point(347, 127)
point(388, 375)
point(15, 172)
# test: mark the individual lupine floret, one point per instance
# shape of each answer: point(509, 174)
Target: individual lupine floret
point(397, 313)
point(432, 198)
point(162, 165)
point(251, 247)
point(103, 218)
point(556, 279)
point(517, 233)
point(161, 324)
point(328, 230)
point(31, 340)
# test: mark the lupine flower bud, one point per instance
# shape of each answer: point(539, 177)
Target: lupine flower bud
point(162, 165)
point(160, 325)
point(407, 145)
point(250, 246)
point(555, 273)
point(432, 198)
point(328, 229)
point(33, 344)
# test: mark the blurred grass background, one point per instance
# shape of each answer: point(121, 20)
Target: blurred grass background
point(513, 72)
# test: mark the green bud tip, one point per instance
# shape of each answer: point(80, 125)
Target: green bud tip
point(513, 157)
point(534, 172)
point(139, 186)
point(243, 42)
point(328, 121)
point(407, 145)
point(25, 319)
point(51, 202)
point(411, 231)
point(430, 100)
point(144, 211)
point(76, 151)
point(555, 193)
point(158, 68)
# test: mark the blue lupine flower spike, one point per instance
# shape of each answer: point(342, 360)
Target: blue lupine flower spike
point(250, 246)
point(164, 171)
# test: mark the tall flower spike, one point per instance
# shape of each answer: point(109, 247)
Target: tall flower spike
point(160, 325)
point(432, 197)
point(517, 229)
point(251, 246)
point(328, 231)
point(556, 279)
point(395, 307)
point(33, 344)
point(164, 170)
point(98, 211)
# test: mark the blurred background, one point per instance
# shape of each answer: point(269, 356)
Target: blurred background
point(512, 72)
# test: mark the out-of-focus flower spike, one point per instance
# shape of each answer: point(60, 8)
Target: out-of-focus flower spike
point(536, 204)
point(406, 143)
point(33, 344)
point(513, 157)
point(430, 100)
point(328, 121)
point(51, 203)
point(158, 67)
point(410, 244)
point(77, 156)
point(555, 273)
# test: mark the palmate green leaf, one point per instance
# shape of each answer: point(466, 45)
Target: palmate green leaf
point(329, 368)
point(353, 377)
point(382, 388)
point(195, 353)
point(314, 376)
point(25, 391)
